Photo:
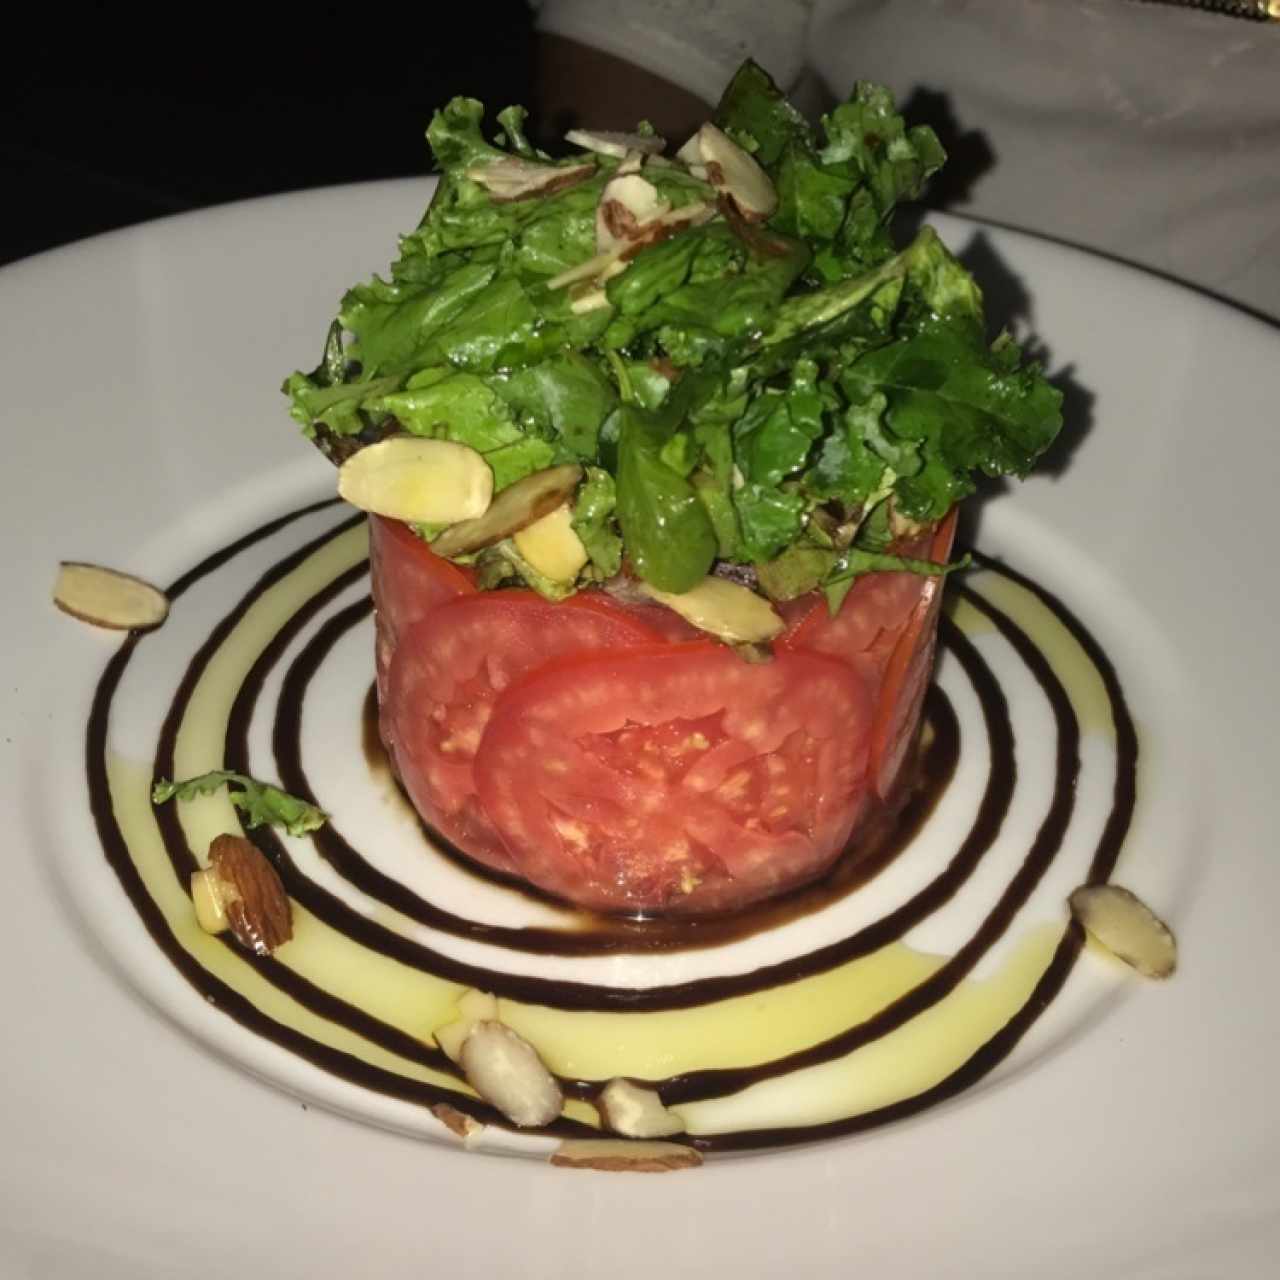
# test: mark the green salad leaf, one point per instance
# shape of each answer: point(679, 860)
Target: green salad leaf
point(261, 803)
point(758, 392)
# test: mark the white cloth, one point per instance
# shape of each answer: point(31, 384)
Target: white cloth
point(1146, 131)
point(697, 44)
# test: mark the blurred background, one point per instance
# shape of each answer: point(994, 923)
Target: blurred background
point(110, 121)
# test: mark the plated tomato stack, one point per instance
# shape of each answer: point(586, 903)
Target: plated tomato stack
point(611, 755)
point(662, 450)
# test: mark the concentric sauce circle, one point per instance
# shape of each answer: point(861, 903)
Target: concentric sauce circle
point(909, 974)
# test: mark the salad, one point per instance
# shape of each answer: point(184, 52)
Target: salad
point(662, 455)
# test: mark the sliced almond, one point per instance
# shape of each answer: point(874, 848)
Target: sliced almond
point(609, 142)
point(732, 171)
point(724, 609)
point(691, 152)
point(425, 481)
point(240, 890)
point(474, 1006)
point(587, 270)
point(1127, 927)
point(452, 1036)
point(636, 1112)
point(627, 204)
point(605, 265)
point(457, 1122)
point(478, 1006)
point(617, 1156)
point(588, 300)
point(514, 178)
point(210, 896)
point(505, 1070)
point(552, 546)
point(901, 526)
point(518, 505)
point(693, 213)
point(108, 598)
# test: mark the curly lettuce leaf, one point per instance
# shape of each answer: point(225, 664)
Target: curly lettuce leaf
point(756, 113)
point(261, 803)
point(731, 389)
point(592, 521)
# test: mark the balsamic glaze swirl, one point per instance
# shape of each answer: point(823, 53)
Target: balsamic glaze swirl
point(586, 935)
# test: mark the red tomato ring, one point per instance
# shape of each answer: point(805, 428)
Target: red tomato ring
point(676, 778)
point(906, 677)
point(408, 581)
point(448, 672)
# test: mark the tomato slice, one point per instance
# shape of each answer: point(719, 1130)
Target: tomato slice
point(448, 673)
point(887, 627)
point(871, 616)
point(409, 580)
point(677, 778)
point(906, 677)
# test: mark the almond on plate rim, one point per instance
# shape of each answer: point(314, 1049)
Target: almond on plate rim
point(108, 598)
point(1123, 925)
point(624, 1155)
point(459, 1123)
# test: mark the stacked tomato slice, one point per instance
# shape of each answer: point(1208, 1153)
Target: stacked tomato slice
point(606, 754)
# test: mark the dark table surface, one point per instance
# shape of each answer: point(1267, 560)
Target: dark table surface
point(113, 122)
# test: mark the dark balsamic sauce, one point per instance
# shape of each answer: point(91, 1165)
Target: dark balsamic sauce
point(585, 934)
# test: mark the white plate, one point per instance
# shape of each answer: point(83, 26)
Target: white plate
point(140, 376)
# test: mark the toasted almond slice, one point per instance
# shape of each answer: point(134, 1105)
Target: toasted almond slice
point(514, 178)
point(627, 204)
point(586, 270)
point(606, 265)
point(725, 609)
point(473, 1006)
point(457, 1122)
point(518, 505)
point(505, 1070)
point(108, 598)
point(478, 1006)
point(615, 1155)
point(452, 1036)
point(209, 896)
point(1127, 927)
point(637, 1112)
point(694, 213)
point(731, 170)
point(408, 478)
point(691, 152)
point(901, 526)
point(241, 890)
point(609, 142)
point(551, 545)
point(589, 300)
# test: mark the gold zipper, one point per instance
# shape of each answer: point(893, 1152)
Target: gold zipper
point(1254, 10)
